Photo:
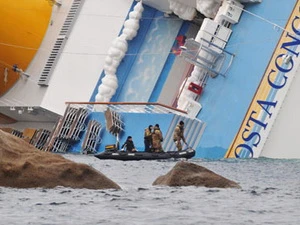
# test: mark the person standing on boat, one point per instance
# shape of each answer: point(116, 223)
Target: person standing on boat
point(129, 145)
point(157, 139)
point(148, 138)
point(179, 135)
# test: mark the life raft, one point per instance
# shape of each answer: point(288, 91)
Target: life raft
point(126, 156)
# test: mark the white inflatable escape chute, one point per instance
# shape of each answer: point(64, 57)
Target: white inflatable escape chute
point(187, 10)
point(117, 51)
point(182, 10)
point(208, 8)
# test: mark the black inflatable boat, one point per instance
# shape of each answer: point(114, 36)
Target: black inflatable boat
point(125, 156)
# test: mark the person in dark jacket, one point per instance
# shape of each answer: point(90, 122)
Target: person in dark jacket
point(148, 138)
point(128, 145)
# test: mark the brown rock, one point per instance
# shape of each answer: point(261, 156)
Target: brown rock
point(189, 174)
point(23, 166)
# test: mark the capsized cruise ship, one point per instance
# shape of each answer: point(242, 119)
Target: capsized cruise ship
point(79, 75)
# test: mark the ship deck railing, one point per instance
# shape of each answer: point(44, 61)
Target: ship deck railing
point(128, 107)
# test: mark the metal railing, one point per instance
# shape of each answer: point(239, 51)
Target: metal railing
point(128, 107)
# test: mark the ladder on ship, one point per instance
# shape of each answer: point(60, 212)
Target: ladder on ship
point(40, 138)
point(114, 124)
point(68, 130)
point(92, 137)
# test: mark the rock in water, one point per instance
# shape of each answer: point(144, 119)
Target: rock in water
point(189, 174)
point(23, 166)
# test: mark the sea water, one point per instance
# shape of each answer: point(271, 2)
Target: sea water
point(270, 194)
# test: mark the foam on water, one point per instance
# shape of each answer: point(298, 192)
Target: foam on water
point(270, 194)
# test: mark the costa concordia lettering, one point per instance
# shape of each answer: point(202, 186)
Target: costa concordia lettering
point(270, 94)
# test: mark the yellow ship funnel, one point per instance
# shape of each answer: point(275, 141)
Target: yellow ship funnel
point(22, 29)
